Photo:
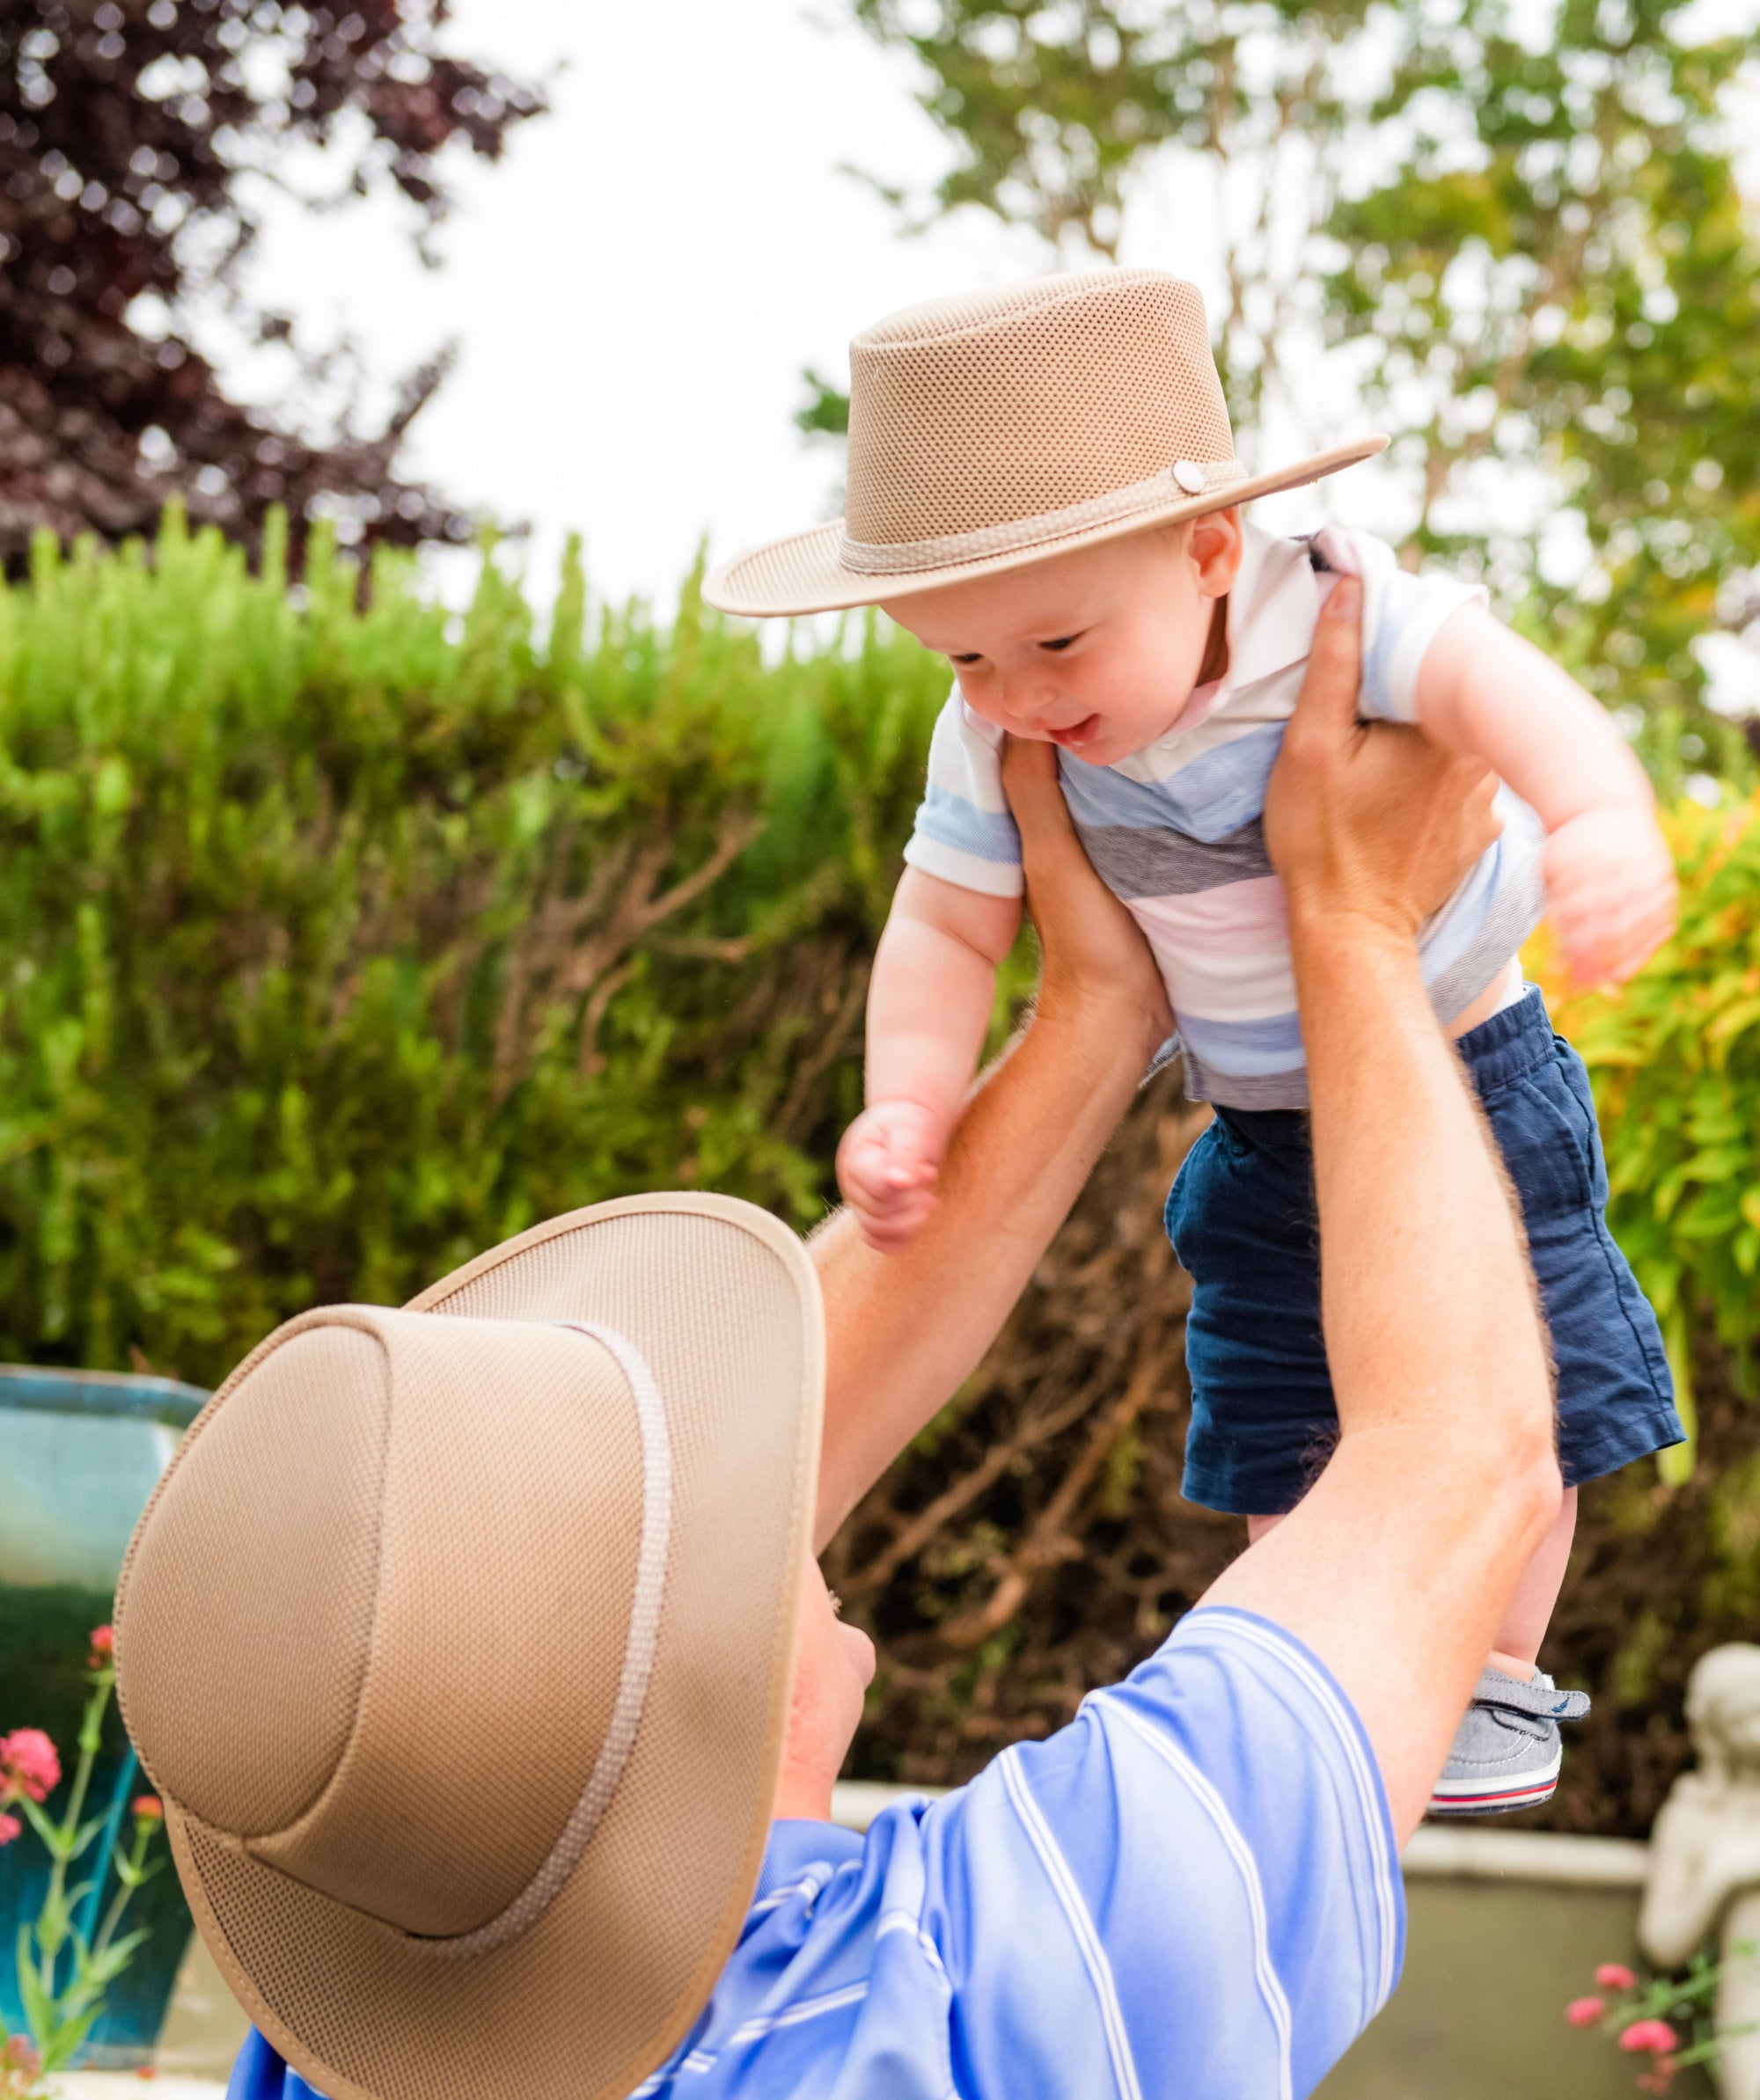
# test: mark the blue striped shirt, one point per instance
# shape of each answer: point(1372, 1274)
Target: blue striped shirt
point(1175, 830)
point(1192, 1889)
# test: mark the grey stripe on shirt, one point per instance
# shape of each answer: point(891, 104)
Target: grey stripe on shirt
point(1167, 863)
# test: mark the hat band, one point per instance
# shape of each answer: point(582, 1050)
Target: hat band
point(1183, 482)
point(638, 1662)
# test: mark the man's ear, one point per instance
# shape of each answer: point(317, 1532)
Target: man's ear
point(1215, 548)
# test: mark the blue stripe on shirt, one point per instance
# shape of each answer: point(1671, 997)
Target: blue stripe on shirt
point(952, 820)
point(1246, 1047)
point(1211, 796)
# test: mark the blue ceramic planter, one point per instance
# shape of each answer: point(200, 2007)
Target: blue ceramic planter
point(80, 1452)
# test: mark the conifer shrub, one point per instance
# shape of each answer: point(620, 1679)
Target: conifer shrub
point(339, 938)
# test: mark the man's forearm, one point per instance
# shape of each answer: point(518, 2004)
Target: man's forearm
point(904, 1330)
point(1421, 1254)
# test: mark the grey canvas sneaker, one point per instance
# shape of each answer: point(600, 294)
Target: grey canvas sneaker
point(1506, 1753)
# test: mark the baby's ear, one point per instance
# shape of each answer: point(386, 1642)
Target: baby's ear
point(1216, 547)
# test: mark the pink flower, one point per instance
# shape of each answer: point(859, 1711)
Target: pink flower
point(1615, 1976)
point(1584, 2012)
point(9, 1828)
point(148, 1808)
point(28, 1763)
point(103, 1643)
point(1656, 2035)
point(19, 2056)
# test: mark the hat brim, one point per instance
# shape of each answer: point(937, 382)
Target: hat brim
point(804, 574)
point(723, 1303)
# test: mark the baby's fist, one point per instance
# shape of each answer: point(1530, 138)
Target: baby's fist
point(1610, 892)
point(886, 1168)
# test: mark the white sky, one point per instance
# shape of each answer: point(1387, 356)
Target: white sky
point(637, 285)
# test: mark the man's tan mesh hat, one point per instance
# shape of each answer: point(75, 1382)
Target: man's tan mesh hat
point(998, 429)
point(458, 1641)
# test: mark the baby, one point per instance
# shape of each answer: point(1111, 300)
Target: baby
point(1042, 488)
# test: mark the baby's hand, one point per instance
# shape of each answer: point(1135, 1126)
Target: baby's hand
point(886, 1168)
point(1610, 892)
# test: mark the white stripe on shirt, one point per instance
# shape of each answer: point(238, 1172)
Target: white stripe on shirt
point(1370, 1797)
point(1081, 1925)
point(1264, 1970)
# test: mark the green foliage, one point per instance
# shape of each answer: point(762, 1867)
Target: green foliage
point(826, 411)
point(341, 939)
point(1674, 1056)
point(1559, 265)
point(1049, 107)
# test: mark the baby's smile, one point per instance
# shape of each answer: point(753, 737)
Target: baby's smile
point(1097, 651)
point(1078, 735)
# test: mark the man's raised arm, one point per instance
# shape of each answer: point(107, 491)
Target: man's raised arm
point(904, 1330)
point(1397, 1566)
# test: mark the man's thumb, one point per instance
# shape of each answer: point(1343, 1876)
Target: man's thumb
point(1335, 661)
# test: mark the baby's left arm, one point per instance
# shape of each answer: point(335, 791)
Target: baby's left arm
point(1609, 876)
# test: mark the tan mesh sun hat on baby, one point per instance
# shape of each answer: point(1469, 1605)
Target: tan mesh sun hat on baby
point(459, 1642)
point(997, 428)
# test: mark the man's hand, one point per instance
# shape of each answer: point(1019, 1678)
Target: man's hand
point(1370, 821)
point(1093, 953)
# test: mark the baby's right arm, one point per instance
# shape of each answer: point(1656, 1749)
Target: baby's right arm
point(928, 1007)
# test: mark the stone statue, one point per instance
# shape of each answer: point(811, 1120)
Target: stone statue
point(1705, 1855)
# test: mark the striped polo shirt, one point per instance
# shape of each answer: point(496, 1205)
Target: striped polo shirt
point(1192, 1889)
point(1176, 831)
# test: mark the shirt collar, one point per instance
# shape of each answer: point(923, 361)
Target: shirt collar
point(1271, 608)
point(797, 1843)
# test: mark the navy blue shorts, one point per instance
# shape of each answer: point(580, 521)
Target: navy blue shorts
point(1242, 1221)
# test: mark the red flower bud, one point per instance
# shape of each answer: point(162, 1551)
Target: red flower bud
point(1615, 1976)
point(9, 1828)
point(1656, 2036)
point(103, 1644)
point(148, 1808)
point(1584, 2012)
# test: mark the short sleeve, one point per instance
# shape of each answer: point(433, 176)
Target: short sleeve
point(963, 832)
point(1402, 616)
point(1193, 1885)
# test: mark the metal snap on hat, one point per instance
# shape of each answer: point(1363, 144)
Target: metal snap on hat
point(997, 428)
point(458, 1641)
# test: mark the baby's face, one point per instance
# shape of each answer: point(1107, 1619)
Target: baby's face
point(1096, 651)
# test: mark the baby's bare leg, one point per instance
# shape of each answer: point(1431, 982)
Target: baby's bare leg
point(1517, 1649)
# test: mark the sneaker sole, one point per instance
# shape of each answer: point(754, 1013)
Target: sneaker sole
point(1467, 1797)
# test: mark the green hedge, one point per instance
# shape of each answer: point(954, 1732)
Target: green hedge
point(341, 937)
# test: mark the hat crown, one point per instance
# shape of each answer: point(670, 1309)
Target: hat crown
point(999, 406)
point(399, 1694)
